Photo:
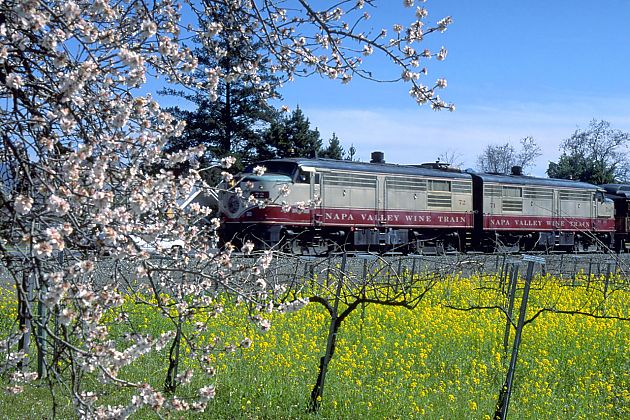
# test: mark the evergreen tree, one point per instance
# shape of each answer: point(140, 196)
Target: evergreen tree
point(291, 137)
point(234, 120)
point(334, 149)
point(351, 152)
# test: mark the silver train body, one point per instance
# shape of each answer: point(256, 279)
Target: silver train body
point(313, 205)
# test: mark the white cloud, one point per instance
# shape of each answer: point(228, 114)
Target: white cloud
point(420, 135)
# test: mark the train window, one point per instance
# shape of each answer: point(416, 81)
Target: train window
point(405, 184)
point(437, 185)
point(304, 177)
point(461, 187)
point(575, 195)
point(514, 192)
point(533, 193)
point(599, 197)
point(492, 190)
point(317, 179)
point(350, 180)
point(280, 168)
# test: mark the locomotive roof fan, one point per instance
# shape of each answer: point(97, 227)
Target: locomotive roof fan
point(377, 157)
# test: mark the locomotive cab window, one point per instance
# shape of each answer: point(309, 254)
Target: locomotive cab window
point(437, 185)
point(271, 167)
point(303, 177)
point(599, 197)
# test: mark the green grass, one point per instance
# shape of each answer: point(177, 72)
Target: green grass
point(392, 363)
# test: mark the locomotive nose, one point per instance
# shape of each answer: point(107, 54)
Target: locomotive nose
point(233, 205)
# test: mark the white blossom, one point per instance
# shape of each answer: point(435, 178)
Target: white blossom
point(14, 81)
point(228, 161)
point(441, 55)
point(89, 151)
point(421, 12)
point(259, 170)
point(23, 204)
point(207, 392)
point(247, 248)
point(284, 190)
point(57, 205)
point(213, 29)
point(264, 325)
point(148, 28)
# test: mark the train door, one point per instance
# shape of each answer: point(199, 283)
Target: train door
point(381, 200)
point(604, 210)
point(365, 199)
point(556, 210)
point(317, 200)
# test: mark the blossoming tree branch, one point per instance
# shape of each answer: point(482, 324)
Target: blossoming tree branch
point(86, 180)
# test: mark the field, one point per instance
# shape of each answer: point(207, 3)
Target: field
point(390, 362)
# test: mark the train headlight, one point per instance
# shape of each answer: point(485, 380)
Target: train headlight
point(233, 204)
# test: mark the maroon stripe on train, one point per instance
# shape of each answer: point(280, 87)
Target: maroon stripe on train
point(362, 218)
point(533, 223)
point(356, 218)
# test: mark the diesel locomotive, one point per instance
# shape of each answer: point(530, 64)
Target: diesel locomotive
point(315, 205)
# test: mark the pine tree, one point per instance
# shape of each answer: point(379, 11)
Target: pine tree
point(234, 121)
point(351, 152)
point(334, 149)
point(292, 137)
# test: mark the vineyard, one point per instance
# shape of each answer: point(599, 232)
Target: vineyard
point(419, 337)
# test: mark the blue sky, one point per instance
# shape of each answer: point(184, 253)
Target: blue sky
point(514, 69)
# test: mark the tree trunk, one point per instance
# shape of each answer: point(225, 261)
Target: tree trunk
point(170, 384)
point(25, 291)
point(227, 115)
point(318, 389)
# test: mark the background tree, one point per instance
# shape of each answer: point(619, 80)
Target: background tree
point(81, 133)
point(334, 149)
point(352, 151)
point(451, 157)
point(500, 158)
point(231, 119)
point(291, 136)
point(597, 155)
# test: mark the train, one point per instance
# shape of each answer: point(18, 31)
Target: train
point(313, 206)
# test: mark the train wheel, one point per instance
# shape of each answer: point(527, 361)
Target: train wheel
point(292, 246)
point(325, 248)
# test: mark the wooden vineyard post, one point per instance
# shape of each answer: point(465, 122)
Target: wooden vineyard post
point(506, 390)
point(513, 276)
